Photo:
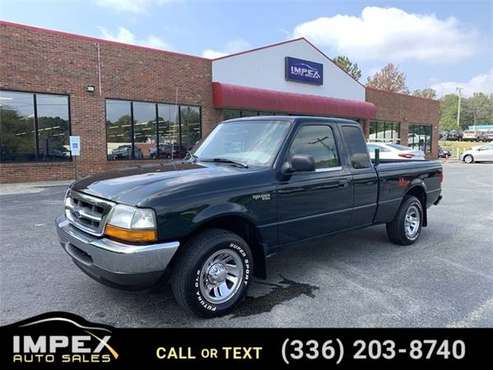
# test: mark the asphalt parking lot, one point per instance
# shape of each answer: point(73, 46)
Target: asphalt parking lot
point(358, 279)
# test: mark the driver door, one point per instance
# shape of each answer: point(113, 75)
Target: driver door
point(485, 153)
point(319, 202)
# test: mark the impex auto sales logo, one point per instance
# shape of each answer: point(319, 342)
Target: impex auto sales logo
point(301, 70)
point(61, 339)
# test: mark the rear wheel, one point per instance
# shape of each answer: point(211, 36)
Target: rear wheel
point(212, 275)
point(406, 227)
point(468, 159)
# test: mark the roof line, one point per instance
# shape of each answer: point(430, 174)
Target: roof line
point(286, 42)
point(92, 38)
point(400, 93)
point(257, 48)
point(337, 65)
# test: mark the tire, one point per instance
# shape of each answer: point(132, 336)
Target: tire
point(401, 232)
point(200, 272)
point(468, 159)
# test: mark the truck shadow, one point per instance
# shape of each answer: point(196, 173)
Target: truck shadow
point(291, 267)
point(283, 291)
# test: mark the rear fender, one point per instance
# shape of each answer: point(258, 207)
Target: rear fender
point(417, 188)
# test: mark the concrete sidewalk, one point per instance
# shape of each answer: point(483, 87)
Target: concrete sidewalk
point(30, 187)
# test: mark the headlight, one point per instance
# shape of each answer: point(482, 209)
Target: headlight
point(131, 224)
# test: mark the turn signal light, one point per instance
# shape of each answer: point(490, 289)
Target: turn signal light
point(128, 235)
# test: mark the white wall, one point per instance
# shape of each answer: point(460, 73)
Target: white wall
point(264, 69)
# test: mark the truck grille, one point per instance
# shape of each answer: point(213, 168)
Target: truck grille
point(86, 212)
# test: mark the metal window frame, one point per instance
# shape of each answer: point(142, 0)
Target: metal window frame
point(382, 126)
point(421, 129)
point(35, 120)
point(180, 120)
point(156, 122)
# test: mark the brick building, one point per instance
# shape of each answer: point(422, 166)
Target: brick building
point(132, 105)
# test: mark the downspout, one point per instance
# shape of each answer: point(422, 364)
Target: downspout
point(99, 70)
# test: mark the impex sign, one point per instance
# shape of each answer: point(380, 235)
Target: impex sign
point(305, 71)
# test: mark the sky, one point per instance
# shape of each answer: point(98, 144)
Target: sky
point(438, 44)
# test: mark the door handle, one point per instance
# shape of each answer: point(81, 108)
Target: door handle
point(290, 190)
point(343, 183)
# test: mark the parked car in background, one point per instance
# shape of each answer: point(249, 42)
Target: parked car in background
point(482, 153)
point(454, 135)
point(125, 152)
point(395, 151)
point(486, 136)
point(470, 135)
point(167, 151)
point(443, 153)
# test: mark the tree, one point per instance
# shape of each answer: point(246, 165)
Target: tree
point(425, 93)
point(389, 78)
point(352, 68)
point(448, 112)
point(477, 109)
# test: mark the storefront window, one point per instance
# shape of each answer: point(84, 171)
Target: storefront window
point(144, 130)
point(190, 127)
point(249, 113)
point(231, 113)
point(384, 132)
point(118, 129)
point(237, 113)
point(169, 131)
point(134, 130)
point(34, 127)
point(419, 137)
point(53, 127)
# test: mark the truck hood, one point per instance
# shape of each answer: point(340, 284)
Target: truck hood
point(135, 185)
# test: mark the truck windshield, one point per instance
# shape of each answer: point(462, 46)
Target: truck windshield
point(254, 143)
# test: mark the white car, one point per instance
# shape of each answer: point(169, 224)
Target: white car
point(478, 154)
point(395, 151)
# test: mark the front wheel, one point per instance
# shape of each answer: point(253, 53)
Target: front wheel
point(212, 275)
point(468, 159)
point(406, 227)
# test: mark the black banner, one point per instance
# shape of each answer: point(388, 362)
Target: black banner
point(62, 340)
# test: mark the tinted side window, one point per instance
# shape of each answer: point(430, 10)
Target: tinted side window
point(358, 152)
point(34, 127)
point(317, 141)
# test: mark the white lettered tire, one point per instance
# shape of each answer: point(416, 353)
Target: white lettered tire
point(212, 273)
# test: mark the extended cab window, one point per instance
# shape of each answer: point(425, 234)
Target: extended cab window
point(358, 152)
point(317, 141)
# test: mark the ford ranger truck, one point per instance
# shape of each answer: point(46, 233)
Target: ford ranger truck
point(254, 187)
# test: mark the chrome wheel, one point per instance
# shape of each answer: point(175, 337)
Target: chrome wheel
point(468, 159)
point(412, 222)
point(221, 276)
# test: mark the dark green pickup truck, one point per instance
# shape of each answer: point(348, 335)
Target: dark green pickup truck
point(253, 187)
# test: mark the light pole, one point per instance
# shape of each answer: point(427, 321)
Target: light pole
point(459, 90)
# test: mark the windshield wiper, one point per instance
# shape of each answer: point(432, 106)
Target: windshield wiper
point(225, 160)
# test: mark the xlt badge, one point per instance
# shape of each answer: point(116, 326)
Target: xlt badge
point(264, 196)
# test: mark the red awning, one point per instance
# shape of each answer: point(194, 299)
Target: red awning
point(240, 97)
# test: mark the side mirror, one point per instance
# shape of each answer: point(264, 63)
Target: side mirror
point(360, 160)
point(299, 163)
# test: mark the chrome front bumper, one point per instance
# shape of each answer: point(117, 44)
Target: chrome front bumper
point(113, 263)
